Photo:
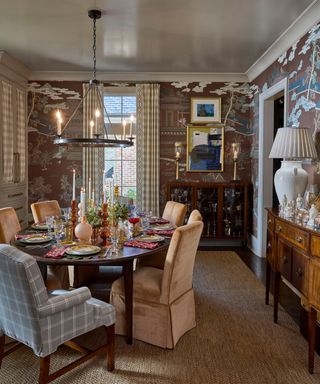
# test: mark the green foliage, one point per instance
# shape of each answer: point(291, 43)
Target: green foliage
point(94, 216)
point(117, 212)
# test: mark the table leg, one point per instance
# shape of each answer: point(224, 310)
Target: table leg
point(268, 278)
point(128, 291)
point(276, 288)
point(312, 318)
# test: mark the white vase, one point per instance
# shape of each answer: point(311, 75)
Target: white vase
point(83, 231)
point(290, 180)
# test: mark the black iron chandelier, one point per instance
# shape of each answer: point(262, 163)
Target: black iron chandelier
point(94, 139)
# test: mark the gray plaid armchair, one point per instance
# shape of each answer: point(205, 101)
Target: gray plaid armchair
point(44, 321)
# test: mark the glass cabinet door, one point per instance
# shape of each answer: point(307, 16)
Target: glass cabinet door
point(233, 212)
point(182, 194)
point(207, 203)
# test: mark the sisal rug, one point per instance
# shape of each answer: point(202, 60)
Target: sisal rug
point(235, 341)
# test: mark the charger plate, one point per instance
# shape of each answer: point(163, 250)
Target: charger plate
point(83, 250)
point(39, 226)
point(162, 227)
point(36, 239)
point(149, 238)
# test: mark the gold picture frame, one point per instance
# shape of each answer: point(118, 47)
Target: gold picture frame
point(205, 148)
point(205, 110)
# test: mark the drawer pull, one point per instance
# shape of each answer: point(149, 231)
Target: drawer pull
point(299, 272)
point(279, 228)
point(15, 194)
point(269, 221)
point(284, 260)
point(299, 239)
point(269, 245)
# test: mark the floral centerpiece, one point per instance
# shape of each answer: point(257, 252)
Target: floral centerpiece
point(94, 216)
point(117, 212)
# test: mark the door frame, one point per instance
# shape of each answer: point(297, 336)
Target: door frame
point(265, 167)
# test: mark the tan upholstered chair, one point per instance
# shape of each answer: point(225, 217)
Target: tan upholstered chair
point(163, 300)
point(175, 212)
point(195, 215)
point(41, 209)
point(9, 225)
point(58, 275)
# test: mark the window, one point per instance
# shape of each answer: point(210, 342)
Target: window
point(120, 104)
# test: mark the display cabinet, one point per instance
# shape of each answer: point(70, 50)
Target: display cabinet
point(225, 207)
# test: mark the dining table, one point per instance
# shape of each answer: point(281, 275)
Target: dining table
point(123, 257)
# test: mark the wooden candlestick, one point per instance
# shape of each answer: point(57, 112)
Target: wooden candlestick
point(105, 230)
point(74, 216)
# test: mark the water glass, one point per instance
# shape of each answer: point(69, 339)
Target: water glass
point(114, 239)
point(59, 230)
point(49, 223)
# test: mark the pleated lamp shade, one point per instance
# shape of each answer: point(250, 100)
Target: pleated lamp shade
point(293, 143)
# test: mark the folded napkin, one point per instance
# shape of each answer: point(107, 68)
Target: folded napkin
point(168, 232)
point(141, 244)
point(55, 253)
point(159, 221)
point(25, 236)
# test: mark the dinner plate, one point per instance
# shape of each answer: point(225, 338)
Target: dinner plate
point(39, 226)
point(150, 238)
point(36, 239)
point(83, 250)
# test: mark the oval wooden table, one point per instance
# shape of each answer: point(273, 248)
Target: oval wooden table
point(124, 258)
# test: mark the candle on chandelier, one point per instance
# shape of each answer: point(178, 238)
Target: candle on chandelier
point(97, 115)
point(124, 129)
point(91, 128)
point(73, 184)
point(59, 121)
point(131, 124)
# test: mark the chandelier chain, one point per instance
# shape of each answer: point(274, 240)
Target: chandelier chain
point(94, 49)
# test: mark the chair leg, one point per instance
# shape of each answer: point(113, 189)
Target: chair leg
point(110, 345)
point(44, 370)
point(2, 341)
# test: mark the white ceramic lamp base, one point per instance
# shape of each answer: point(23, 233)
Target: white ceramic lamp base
point(290, 180)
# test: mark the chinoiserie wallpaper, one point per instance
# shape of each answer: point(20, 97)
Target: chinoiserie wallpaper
point(50, 167)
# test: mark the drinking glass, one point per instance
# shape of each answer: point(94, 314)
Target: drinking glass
point(114, 239)
point(66, 213)
point(59, 230)
point(49, 223)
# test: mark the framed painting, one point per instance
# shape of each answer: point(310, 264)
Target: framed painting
point(205, 110)
point(205, 148)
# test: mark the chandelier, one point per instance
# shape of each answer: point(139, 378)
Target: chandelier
point(93, 92)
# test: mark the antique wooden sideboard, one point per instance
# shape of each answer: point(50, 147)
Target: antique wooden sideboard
point(293, 255)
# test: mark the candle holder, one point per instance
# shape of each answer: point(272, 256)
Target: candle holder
point(83, 231)
point(74, 217)
point(235, 150)
point(177, 156)
point(105, 229)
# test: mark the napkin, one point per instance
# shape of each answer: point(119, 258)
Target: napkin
point(159, 221)
point(55, 253)
point(168, 232)
point(141, 244)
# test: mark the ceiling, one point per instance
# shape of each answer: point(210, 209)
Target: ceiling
point(195, 36)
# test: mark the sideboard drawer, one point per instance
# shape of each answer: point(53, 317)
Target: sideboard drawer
point(297, 237)
point(284, 259)
point(300, 265)
point(270, 222)
point(315, 246)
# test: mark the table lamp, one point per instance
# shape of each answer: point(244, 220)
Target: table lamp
point(292, 144)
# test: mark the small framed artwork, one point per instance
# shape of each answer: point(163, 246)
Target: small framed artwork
point(205, 110)
point(205, 148)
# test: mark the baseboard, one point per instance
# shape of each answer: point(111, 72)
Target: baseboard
point(254, 246)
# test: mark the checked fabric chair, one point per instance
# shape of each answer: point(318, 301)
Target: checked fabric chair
point(163, 299)
point(43, 321)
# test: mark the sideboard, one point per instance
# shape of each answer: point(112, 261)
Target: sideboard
point(293, 255)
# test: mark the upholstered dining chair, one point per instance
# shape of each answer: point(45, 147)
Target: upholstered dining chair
point(9, 225)
point(174, 212)
point(195, 215)
point(44, 321)
point(163, 300)
point(41, 209)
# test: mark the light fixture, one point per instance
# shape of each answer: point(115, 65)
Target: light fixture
point(94, 139)
point(177, 156)
point(292, 144)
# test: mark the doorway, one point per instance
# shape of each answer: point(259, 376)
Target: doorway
point(278, 122)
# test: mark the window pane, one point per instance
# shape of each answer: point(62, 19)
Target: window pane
point(129, 105)
point(130, 192)
point(129, 153)
point(113, 105)
point(129, 173)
